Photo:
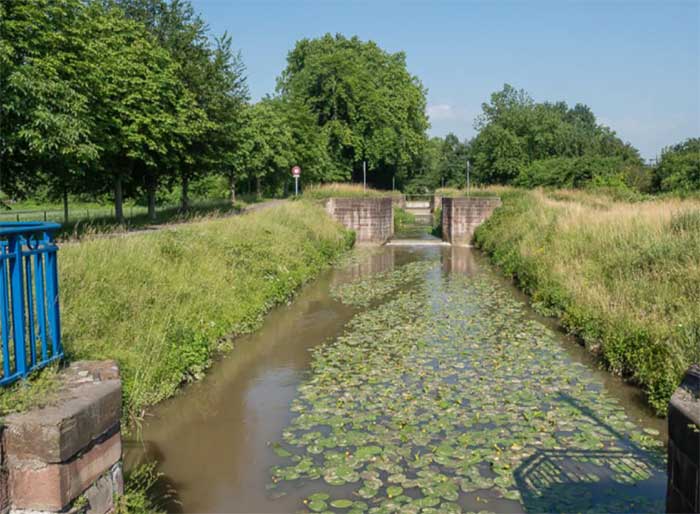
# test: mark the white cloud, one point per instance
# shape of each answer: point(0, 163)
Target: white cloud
point(441, 112)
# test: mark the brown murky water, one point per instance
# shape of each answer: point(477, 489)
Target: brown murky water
point(212, 440)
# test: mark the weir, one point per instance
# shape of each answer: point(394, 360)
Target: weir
point(373, 221)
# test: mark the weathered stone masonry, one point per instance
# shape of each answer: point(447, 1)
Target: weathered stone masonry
point(54, 455)
point(372, 219)
point(683, 492)
point(461, 216)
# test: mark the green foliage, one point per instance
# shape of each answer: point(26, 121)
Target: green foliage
point(623, 277)
point(339, 190)
point(574, 172)
point(37, 390)
point(679, 167)
point(136, 299)
point(141, 492)
point(402, 218)
point(517, 136)
point(366, 105)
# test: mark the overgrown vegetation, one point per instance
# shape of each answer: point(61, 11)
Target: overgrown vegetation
point(624, 277)
point(341, 190)
point(38, 390)
point(402, 218)
point(161, 304)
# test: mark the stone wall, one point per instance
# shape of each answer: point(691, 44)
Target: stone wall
point(372, 219)
point(683, 492)
point(461, 216)
point(69, 449)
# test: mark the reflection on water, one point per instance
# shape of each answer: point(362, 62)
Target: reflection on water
point(212, 440)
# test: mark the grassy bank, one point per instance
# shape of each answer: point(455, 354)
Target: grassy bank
point(624, 277)
point(162, 303)
point(340, 190)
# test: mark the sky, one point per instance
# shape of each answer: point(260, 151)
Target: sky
point(635, 64)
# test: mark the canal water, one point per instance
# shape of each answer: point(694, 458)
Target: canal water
point(406, 379)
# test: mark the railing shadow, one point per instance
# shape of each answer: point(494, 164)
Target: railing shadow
point(626, 478)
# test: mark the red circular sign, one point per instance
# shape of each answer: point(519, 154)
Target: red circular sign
point(296, 171)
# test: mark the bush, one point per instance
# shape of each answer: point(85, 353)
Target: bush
point(402, 218)
point(679, 168)
point(161, 303)
point(576, 172)
point(621, 276)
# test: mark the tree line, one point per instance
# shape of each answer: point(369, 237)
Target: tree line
point(133, 98)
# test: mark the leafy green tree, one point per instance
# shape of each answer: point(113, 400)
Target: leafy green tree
point(366, 104)
point(142, 111)
point(515, 132)
point(679, 167)
point(45, 120)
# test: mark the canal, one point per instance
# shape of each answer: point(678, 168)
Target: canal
point(407, 379)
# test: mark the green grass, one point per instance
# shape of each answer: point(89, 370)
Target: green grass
point(624, 277)
point(344, 190)
point(161, 304)
point(402, 218)
point(37, 391)
point(90, 218)
point(473, 191)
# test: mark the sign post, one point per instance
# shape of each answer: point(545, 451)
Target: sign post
point(469, 166)
point(364, 175)
point(296, 172)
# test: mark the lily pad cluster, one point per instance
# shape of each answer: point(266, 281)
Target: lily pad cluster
point(448, 398)
point(362, 293)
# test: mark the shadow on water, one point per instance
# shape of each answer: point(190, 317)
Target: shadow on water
point(573, 480)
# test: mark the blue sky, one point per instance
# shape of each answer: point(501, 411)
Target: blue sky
point(636, 64)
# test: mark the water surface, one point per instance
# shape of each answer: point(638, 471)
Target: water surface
point(427, 370)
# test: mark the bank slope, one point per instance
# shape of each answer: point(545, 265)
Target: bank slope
point(624, 277)
point(162, 303)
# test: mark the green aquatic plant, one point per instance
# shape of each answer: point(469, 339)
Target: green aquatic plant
point(447, 397)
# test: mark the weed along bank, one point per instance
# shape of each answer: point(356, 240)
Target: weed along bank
point(64, 451)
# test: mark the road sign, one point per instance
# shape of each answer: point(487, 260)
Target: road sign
point(296, 172)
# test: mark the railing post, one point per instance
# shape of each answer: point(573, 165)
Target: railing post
point(15, 249)
point(52, 296)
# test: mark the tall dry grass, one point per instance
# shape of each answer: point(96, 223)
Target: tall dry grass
point(625, 277)
point(344, 190)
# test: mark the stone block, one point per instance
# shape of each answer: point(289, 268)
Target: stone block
point(683, 491)
point(37, 485)
point(89, 405)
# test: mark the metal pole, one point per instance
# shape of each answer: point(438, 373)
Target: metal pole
point(469, 165)
point(364, 175)
point(296, 186)
point(393, 183)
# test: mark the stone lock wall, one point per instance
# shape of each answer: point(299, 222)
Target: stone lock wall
point(372, 219)
point(70, 449)
point(683, 491)
point(461, 216)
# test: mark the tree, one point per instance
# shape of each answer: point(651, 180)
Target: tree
point(679, 167)
point(45, 121)
point(515, 131)
point(367, 105)
point(142, 111)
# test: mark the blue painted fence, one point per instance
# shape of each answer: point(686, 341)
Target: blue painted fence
point(30, 324)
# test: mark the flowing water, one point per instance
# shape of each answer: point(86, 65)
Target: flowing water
point(407, 379)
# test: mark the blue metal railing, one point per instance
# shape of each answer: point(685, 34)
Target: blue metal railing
point(30, 324)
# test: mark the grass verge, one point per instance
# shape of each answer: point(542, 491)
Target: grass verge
point(624, 277)
point(341, 190)
point(161, 304)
